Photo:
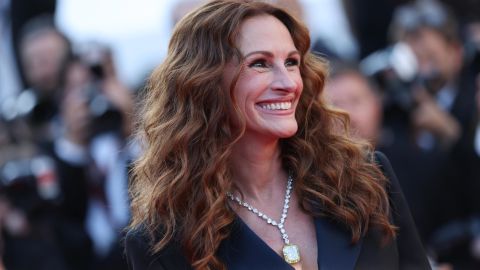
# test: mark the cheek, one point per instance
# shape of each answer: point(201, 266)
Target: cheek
point(241, 91)
point(299, 81)
point(249, 87)
point(370, 115)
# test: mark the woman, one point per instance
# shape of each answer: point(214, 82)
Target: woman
point(246, 168)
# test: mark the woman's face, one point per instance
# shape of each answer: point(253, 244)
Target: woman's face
point(270, 84)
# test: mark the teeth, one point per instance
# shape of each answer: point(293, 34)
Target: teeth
point(277, 106)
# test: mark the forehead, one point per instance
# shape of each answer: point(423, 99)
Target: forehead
point(349, 83)
point(44, 39)
point(264, 33)
point(427, 36)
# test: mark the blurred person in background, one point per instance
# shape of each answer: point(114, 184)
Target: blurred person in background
point(444, 92)
point(77, 115)
point(107, 107)
point(348, 89)
point(430, 113)
point(13, 16)
point(446, 84)
point(44, 54)
point(96, 112)
point(32, 182)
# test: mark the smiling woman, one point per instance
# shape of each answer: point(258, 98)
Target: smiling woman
point(246, 167)
point(269, 84)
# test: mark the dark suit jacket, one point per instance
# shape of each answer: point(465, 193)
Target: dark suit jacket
point(245, 250)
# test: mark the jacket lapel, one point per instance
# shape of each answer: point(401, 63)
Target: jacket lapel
point(243, 249)
point(335, 250)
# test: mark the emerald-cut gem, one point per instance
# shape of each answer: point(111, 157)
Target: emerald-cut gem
point(291, 254)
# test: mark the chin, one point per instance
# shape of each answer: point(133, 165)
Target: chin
point(287, 132)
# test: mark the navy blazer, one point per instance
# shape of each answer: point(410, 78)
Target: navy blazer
point(243, 249)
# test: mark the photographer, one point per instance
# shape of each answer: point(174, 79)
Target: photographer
point(430, 111)
point(97, 111)
point(34, 122)
point(78, 115)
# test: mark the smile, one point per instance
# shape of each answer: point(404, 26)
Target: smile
point(276, 106)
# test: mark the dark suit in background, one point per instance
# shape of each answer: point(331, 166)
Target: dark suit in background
point(440, 185)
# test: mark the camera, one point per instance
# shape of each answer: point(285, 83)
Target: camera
point(28, 183)
point(396, 72)
point(29, 106)
point(105, 117)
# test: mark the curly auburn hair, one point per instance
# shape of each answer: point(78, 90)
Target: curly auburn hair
point(180, 181)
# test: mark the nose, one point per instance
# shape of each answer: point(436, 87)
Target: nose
point(283, 79)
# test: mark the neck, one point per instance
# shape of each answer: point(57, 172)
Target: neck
point(257, 168)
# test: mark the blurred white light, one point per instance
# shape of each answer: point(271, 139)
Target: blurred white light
point(137, 31)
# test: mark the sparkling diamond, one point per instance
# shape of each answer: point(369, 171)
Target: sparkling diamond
point(291, 254)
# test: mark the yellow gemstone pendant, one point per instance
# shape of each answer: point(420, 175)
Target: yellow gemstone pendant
point(291, 253)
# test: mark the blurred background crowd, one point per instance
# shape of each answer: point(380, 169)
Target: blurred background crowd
point(407, 72)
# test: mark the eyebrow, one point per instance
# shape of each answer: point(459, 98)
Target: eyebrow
point(269, 54)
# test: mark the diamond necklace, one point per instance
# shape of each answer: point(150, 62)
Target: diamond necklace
point(291, 253)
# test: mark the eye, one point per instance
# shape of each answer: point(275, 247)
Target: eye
point(291, 62)
point(258, 63)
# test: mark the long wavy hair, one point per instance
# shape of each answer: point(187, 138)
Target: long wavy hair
point(187, 131)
